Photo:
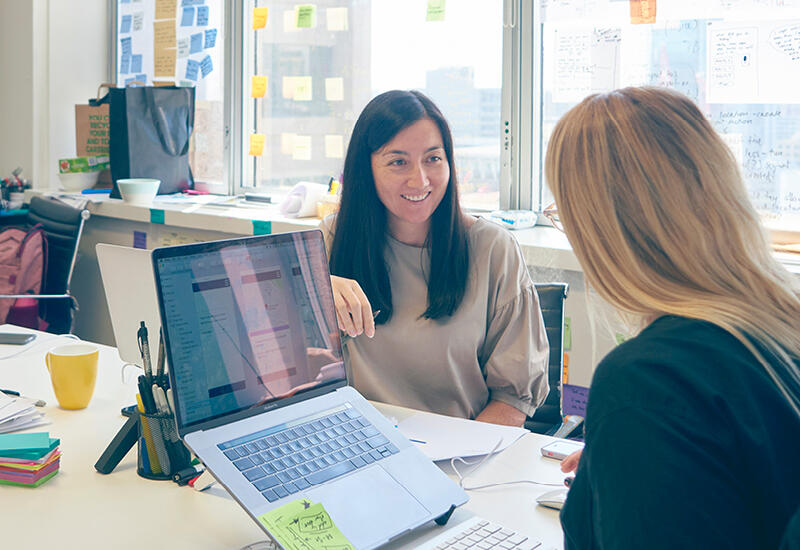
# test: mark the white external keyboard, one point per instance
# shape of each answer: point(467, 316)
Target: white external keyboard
point(481, 534)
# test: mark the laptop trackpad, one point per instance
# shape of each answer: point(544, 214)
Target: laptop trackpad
point(370, 506)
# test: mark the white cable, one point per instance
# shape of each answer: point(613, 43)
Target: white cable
point(462, 478)
point(30, 346)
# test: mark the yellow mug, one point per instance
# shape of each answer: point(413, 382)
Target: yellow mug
point(73, 371)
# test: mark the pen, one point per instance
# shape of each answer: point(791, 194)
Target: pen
point(160, 360)
point(160, 399)
point(144, 349)
point(170, 401)
point(417, 441)
point(147, 395)
point(36, 402)
point(346, 336)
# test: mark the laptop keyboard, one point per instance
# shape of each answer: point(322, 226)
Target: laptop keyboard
point(307, 452)
point(478, 533)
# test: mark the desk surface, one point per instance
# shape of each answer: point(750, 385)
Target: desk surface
point(80, 508)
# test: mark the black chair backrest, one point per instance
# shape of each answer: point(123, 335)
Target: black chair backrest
point(547, 417)
point(62, 225)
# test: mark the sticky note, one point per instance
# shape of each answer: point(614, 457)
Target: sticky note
point(258, 86)
point(336, 19)
point(289, 21)
point(202, 16)
point(164, 34)
point(206, 66)
point(162, 83)
point(435, 10)
point(334, 89)
point(187, 19)
point(302, 88)
point(211, 38)
point(139, 239)
point(288, 87)
point(141, 78)
point(164, 62)
point(125, 64)
point(567, 333)
point(262, 227)
point(287, 143)
point(128, 81)
point(125, 24)
point(301, 147)
point(196, 43)
point(260, 17)
point(302, 524)
point(166, 9)
point(183, 47)
point(192, 70)
point(256, 145)
point(305, 16)
point(138, 21)
point(136, 63)
point(125, 45)
point(156, 215)
point(643, 12)
point(24, 443)
point(334, 146)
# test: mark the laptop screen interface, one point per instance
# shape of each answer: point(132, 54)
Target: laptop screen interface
point(249, 322)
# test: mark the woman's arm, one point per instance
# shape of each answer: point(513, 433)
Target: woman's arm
point(497, 412)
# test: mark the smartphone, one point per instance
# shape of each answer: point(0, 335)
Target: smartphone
point(561, 449)
point(16, 338)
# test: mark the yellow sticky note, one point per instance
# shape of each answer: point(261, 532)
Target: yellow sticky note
point(164, 35)
point(334, 89)
point(260, 17)
point(302, 88)
point(289, 21)
point(305, 16)
point(334, 146)
point(336, 19)
point(288, 87)
point(435, 10)
point(643, 12)
point(258, 87)
point(166, 9)
point(287, 143)
point(256, 144)
point(304, 524)
point(301, 148)
point(164, 62)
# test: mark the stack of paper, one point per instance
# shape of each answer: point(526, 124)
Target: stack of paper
point(28, 459)
point(17, 413)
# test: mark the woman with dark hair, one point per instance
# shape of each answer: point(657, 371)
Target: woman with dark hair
point(459, 331)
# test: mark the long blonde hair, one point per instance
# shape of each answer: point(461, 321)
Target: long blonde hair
point(657, 213)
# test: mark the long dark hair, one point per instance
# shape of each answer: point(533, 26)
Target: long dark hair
point(361, 228)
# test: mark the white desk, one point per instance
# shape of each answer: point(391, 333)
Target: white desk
point(80, 508)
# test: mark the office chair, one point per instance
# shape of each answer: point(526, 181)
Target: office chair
point(547, 417)
point(62, 225)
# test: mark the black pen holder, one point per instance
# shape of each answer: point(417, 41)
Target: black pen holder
point(160, 453)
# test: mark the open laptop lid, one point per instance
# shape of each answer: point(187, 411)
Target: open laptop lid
point(127, 275)
point(249, 325)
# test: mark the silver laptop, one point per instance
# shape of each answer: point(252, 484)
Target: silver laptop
point(262, 395)
point(127, 275)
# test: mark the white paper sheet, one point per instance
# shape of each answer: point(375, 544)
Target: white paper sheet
point(444, 437)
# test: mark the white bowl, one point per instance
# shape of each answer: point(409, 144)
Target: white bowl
point(138, 190)
point(76, 181)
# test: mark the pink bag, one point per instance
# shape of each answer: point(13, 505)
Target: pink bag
point(22, 259)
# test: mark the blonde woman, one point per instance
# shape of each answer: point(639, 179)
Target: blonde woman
point(692, 427)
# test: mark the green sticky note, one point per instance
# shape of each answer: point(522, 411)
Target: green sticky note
point(567, 333)
point(300, 525)
point(620, 338)
point(261, 227)
point(306, 15)
point(13, 444)
point(435, 10)
point(156, 216)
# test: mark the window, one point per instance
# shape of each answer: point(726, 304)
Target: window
point(308, 73)
point(734, 58)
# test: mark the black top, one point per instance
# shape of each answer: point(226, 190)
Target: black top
point(689, 444)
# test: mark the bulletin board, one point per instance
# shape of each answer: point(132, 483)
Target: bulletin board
point(171, 43)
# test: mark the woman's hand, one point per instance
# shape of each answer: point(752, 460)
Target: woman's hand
point(570, 464)
point(353, 311)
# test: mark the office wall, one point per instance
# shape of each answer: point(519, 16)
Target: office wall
point(53, 54)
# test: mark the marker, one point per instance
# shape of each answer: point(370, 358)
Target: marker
point(417, 441)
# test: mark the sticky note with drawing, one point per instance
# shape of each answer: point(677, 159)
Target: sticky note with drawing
point(303, 525)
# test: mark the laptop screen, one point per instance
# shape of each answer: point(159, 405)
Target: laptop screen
point(248, 321)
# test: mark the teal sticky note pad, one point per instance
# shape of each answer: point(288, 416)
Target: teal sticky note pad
point(567, 333)
point(156, 216)
point(24, 443)
point(261, 227)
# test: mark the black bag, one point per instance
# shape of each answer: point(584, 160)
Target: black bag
point(149, 133)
